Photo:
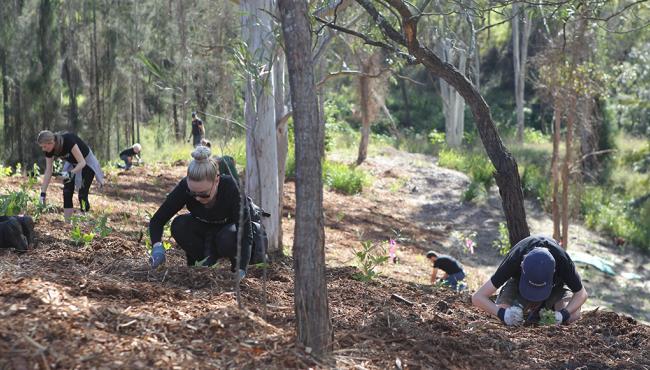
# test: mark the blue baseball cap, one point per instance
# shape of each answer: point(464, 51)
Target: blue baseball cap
point(537, 270)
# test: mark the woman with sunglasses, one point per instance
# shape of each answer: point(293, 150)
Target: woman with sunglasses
point(213, 202)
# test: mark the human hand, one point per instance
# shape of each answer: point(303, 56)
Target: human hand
point(562, 316)
point(67, 176)
point(157, 257)
point(511, 316)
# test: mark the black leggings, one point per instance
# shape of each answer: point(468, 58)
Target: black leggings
point(87, 176)
point(200, 240)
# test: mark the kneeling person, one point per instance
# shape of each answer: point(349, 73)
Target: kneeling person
point(128, 154)
point(533, 276)
point(450, 266)
point(209, 231)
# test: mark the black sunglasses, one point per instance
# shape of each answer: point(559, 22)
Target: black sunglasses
point(203, 195)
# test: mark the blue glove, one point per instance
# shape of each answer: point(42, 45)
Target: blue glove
point(157, 255)
point(241, 275)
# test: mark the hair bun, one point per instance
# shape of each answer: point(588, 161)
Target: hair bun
point(201, 153)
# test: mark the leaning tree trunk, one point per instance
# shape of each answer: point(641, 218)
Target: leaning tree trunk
point(507, 175)
point(313, 325)
point(259, 113)
point(364, 100)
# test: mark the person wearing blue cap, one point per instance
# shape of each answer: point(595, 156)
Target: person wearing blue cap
point(533, 276)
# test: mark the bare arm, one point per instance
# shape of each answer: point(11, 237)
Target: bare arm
point(481, 298)
point(434, 273)
point(577, 301)
point(81, 161)
point(47, 176)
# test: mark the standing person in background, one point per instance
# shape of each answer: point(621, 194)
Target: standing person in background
point(80, 168)
point(198, 131)
point(128, 154)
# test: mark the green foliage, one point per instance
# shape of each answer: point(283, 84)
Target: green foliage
point(450, 158)
point(344, 178)
point(15, 203)
point(535, 136)
point(547, 317)
point(502, 243)
point(472, 192)
point(77, 235)
point(101, 226)
point(609, 213)
point(368, 258)
point(535, 182)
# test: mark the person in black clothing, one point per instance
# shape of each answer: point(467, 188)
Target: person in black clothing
point(209, 231)
point(79, 169)
point(16, 232)
point(450, 266)
point(533, 276)
point(198, 131)
point(128, 154)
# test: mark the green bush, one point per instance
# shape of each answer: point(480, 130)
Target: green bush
point(343, 178)
point(450, 158)
point(609, 213)
point(368, 258)
point(472, 192)
point(535, 182)
point(535, 136)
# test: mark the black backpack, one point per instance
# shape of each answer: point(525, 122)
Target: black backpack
point(260, 238)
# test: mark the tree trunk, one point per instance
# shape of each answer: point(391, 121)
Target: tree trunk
point(566, 170)
point(259, 114)
point(555, 172)
point(507, 174)
point(98, 106)
point(364, 102)
point(182, 28)
point(520, 56)
point(453, 106)
point(313, 325)
point(406, 103)
point(282, 134)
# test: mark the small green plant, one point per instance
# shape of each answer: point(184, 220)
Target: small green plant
point(368, 259)
point(342, 178)
point(547, 317)
point(472, 192)
point(78, 236)
point(101, 226)
point(15, 202)
point(502, 243)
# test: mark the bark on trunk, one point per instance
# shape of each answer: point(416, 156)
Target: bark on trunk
point(566, 168)
point(259, 113)
point(314, 328)
point(555, 172)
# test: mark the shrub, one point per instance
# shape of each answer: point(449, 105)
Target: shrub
point(502, 243)
point(535, 182)
point(343, 178)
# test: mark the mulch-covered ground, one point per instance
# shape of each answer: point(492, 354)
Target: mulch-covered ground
point(64, 306)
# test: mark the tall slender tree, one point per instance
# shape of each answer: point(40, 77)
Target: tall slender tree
point(310, 300)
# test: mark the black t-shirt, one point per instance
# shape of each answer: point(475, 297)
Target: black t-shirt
point(196, 126)
point(129, 152)
point(69, 141)
point(224, 211)
point(565, 270)
point(447, 264)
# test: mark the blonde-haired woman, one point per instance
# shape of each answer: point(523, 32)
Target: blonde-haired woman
point(209, 231)
point(79, 169)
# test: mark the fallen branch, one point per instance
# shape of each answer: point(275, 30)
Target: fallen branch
point(401, 299)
